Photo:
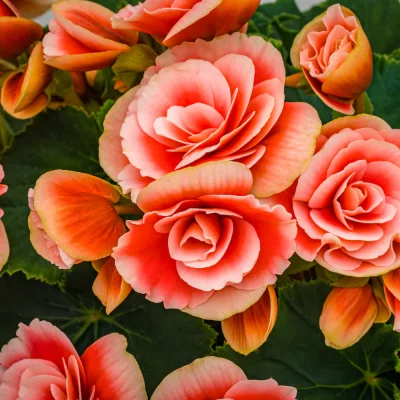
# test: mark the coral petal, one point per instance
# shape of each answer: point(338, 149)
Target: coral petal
point(225, 303)
point(290, 146)
point(77, 213)
point(16, 35)
point(223, 177)
point(112, 371)
point(109, 287)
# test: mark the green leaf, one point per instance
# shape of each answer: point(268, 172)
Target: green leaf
point(280, 20)
point(161, 340)
point(102, 113)
point(379, 19)
point(384, 91)
point(137, 59)
point(63, 139)
point(296, 355)
point(62, 87)
point(298, 265)
point(131, 65)
point(350, 282)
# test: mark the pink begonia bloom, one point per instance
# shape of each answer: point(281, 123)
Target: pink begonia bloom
point(335, 56)
point(42, 363)
point(210, 101)
point(205, 245)
point(174, 22)
point(81, 37)
point(4, 244)
point(347, 202)
point(218, 378)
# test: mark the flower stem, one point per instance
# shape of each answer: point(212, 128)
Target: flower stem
point(127, 209)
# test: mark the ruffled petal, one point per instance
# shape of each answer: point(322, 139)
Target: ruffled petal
point(209, 377)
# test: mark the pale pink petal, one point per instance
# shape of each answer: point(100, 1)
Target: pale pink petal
point(290, 145)
point(356, 122)
point(371, 150)
point(225, 303)
point(218, 178)
point(131, 181)
point(206, 378)
point(111, 156)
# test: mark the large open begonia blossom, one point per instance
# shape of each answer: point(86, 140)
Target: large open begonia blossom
point(347, 202)
point(205, 245)
point(210, 101)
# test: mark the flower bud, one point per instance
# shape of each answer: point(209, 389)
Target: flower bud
point(347, 315)
point(109, 287)
point(249, 330)
point(335, 56)
point(22, 94)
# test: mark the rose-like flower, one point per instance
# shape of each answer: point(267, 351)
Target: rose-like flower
point(4, 245)
point(210, 101)
point(347, 202)
point(81, 37)
point(16, 34)
point(392, 295)
point(74, 217)
point(217, 247)
point(42, 363)
point(109, 287)
point(218, 378)
point(175, 22)
point(22, 94)
point(249, 330)
point(349, 313)
point(335, 56)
